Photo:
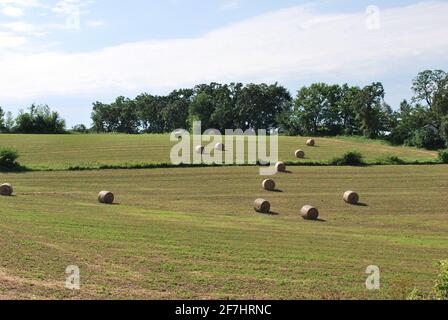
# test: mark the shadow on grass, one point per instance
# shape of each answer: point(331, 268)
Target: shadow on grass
point(15, 169)
point(361, 204)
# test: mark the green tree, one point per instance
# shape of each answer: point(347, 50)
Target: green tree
point(39, 119)
point(258, 105)
point(427, 84)
point(174, 111)
point(201, 109)
point(120, 116)
point(368, 105)
point(323, 109)
point(150, 112)
point(2, 120)
point(9, 122)
point(350, 124)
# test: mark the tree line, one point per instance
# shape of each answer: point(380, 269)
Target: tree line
point(317, 110)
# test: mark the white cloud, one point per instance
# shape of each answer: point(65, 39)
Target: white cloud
point(12, 11)
point(10, 40)
point(294, 43)
point(18, 27)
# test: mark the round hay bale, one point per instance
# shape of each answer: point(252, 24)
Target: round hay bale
point(106, 197)
point(311, 143)
point(200, 149)
point(280, 166)
point(262, 206)
point(309, 213)
point(351, 197)
point(178, 134)
point(6, 189)
point(219, 147)
point(300, 154)
point(269, 185)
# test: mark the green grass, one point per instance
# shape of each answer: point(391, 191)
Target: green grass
point(99, 151)
point(192, 233)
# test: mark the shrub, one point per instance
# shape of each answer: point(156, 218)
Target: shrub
point(392, 160)
point(427, 138)
point(8, 158)
point(416, 295)
point(441, 288)
point(352, 158)
point(443, 156)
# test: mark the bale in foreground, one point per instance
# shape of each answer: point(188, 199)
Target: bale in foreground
point(106, 197)
point(262, 206)
point(6, 189)
point(280, 166)
point(311, 143)
point(351, 197)
point(309, 213)
point(269, 185)
point(300, 154)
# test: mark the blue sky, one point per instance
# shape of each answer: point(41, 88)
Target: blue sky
point(70, 53)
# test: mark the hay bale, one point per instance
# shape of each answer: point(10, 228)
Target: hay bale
point(311, 143)
point(178, 134)
point(269, 185)
point(309, 213)
point(280, 166)
point(200, 149)
point(351, 197)
point(219, 147)
point(262, 206)
point(106, 197)
point(300, 154)
point(6, 189)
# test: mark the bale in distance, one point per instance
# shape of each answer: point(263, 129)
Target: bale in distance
point(219, 146)
point(200, 149)
point(6, 189)
point(351, 197)
point(311, 143)
point(269, 185)
point(106, 197)
point(262, 206)
point(300, 154)
point(309, 213)
point(280, 166)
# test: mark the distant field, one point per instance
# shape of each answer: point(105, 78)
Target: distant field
point(192, 233)
point(64, 151)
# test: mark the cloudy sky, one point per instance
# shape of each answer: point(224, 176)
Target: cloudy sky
point(70, 53)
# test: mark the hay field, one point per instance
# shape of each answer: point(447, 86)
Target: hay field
point(192, 233)
point(59, 152)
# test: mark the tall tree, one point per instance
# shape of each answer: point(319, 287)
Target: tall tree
point(368, 105)
point(2, 120)
point(39, 119)
point(427, 84)
point(318, 109)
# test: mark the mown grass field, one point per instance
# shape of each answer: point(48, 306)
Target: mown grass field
point(192, 233)
point(59, 152)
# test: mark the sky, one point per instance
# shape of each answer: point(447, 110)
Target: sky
point(71, 53)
